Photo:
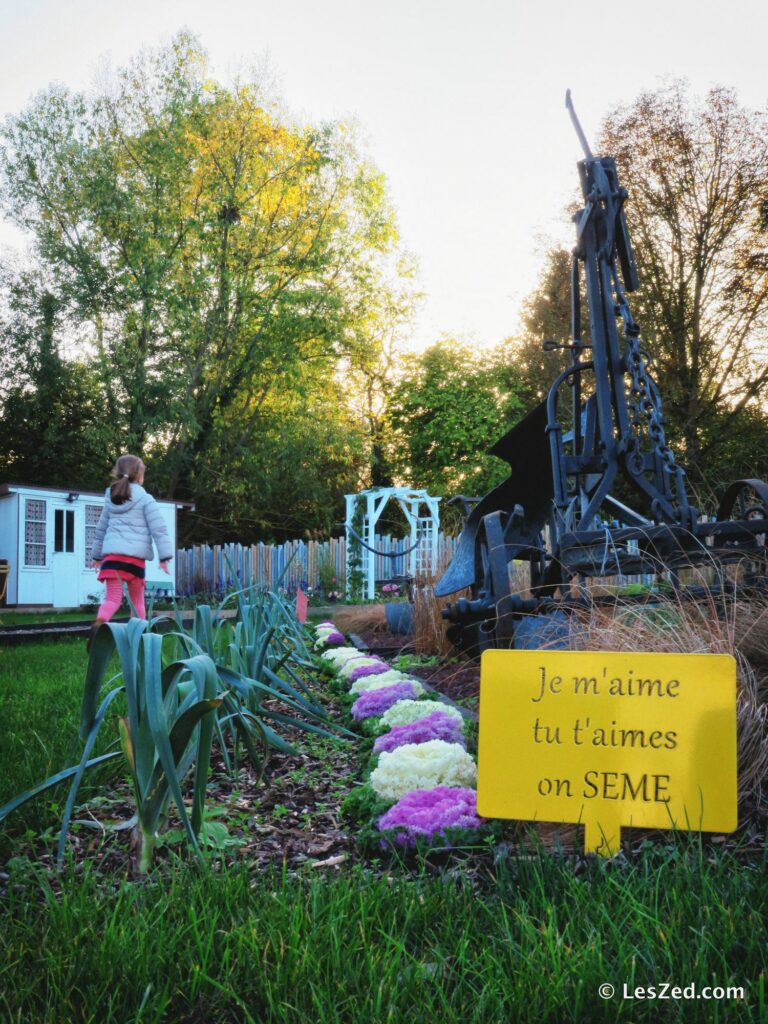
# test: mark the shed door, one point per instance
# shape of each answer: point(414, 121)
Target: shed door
point(64, 559)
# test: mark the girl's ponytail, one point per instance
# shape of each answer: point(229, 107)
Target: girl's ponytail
point(125, 471)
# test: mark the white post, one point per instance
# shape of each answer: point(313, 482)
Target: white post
point(414, 518)
point(350, 503)
point(370, 540)
point(435, 511)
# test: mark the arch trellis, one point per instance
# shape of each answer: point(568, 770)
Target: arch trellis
point(364, 510)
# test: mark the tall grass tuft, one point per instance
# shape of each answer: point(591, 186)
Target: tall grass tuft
point(429, 627)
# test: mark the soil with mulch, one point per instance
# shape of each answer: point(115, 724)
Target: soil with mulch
point(289, 816)
point(460, 681)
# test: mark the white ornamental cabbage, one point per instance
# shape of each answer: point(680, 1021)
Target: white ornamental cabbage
point(422, 766)
point(339, 665)
point(339, 655)
point(379, 683)
point(321, 632)
point(390, 676)
point(407, 711)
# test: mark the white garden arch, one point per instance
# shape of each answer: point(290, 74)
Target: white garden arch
point(423, 516)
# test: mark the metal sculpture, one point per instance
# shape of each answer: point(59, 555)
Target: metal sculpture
point(556, 510)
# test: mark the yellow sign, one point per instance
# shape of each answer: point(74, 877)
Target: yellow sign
point(608, 739)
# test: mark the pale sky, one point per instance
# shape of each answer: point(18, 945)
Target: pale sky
point(461, 103)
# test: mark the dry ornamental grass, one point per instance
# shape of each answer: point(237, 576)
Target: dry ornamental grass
point(731, 626)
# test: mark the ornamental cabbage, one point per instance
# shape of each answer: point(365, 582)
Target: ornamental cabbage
point(411, 710)
point(390, 676)
point(375, 702)
point(329, 640)
point(380, 682)
point(340, 655)
point(429, 812)
point(351, 664)
point(437, 726)
point(360, 671)
point(422, 766)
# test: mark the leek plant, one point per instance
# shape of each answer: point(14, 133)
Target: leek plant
point(262, 661)
point(167, 731)
point(183, 685)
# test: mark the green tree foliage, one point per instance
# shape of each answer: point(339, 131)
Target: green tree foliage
point(53, 427)
point(546, 315)
point(380, 320)
point(213, 256)
point(452, 403)
point(281, 467)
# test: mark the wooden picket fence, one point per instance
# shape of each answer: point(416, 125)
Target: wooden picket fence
point(214, 569)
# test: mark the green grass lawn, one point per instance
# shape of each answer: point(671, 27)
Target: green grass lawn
point(51, 616)
point(12, 618)
point(535, 946)
point(368, 945)
point(41, 687)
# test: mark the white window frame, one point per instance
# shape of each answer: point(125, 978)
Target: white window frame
point(89, 530)
point(36, 544)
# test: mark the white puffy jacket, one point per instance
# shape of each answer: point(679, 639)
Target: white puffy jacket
point(130, 528)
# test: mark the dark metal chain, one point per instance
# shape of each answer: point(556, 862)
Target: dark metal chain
point(643, 402)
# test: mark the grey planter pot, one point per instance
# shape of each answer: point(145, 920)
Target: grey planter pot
point(399, 617)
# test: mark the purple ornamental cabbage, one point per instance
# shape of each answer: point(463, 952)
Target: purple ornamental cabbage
point(437, 726)
point(429, 812)
point(368, 670)
point(375, 702)
point(334, 639)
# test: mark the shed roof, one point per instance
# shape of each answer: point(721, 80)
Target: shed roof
point(7, 489)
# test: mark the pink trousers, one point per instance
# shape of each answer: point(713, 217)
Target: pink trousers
point(114, 598)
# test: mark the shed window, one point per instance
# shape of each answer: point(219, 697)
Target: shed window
point(64, 530)
point(92, 516)
point(34, 531)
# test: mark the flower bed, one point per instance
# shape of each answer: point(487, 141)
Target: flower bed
point(422, 783)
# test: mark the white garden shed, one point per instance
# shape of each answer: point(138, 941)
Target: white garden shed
point(46, 535)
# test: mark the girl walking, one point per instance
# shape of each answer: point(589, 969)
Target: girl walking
point(130, 521)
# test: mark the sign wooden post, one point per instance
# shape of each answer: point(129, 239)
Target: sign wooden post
point(608, 739)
